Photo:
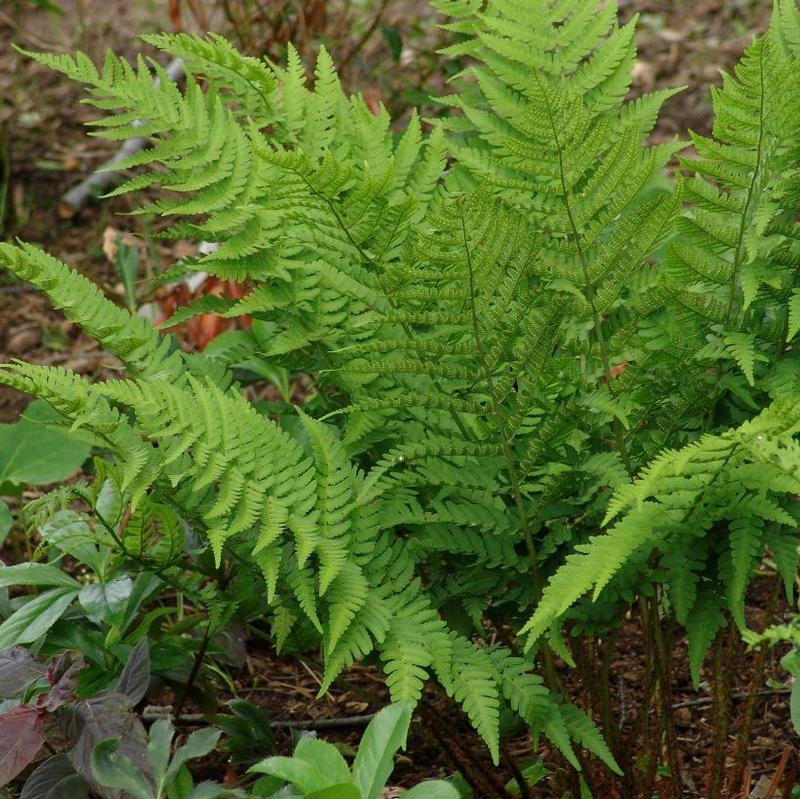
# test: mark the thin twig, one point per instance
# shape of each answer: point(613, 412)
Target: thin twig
point(707, 700)
point(153, 713)
point(358, 46)
point(198, 662)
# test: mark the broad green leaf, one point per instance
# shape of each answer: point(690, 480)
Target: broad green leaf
point(326, 757)
point(144, 585)
point(71, 534)
point(432, 789)
point(36, 617)
point(36, 574)
point(198, 744)
point(342, 790)
point(35, 453)
point(113, 770)
point(794, 705)
point(374, 760)
point(105, 603)
point(182, 786)
point(158, 749)
point(306, 777)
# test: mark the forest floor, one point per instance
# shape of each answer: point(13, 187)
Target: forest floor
point(44, 150)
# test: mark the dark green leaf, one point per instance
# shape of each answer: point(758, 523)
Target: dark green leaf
point(35, 453)
point(105, 603)
point(36, 617)
point(392, 37)
point(112, 769)
point(6, 520)
point(36, 574)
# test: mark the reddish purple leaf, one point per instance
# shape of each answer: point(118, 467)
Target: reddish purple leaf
point(18, 669)
point(66, 681)
point(21, 739)
point(135, 677)
point(105, 715)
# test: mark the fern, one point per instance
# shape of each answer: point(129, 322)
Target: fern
point(542, 369)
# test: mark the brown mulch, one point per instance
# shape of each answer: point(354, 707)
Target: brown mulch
point(286, 688)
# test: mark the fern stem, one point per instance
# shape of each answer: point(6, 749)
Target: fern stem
point(664, 669)
point(722, 367)
point(508, 455)
point(516, 772)
point(643, 730)
point(737, 255)
point(723, 677)
point(588, 288)
point(198, 662)
point(485, 782)
point(746, 718)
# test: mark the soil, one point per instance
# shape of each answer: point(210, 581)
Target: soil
point(681, 42)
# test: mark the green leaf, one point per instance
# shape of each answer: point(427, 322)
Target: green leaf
point(392, 37)
point(325, 757)
point(432, 789)
point(144, 585)
point(794, 705)
point(6, 520)
point(114, 770)
point(199, 744)
point(342, 790)
point(794, 315)
point(182, 786)
point(159, 747)
point(704, 622)
point(302, 775)
point(36, 617)
point(105, 603)
point(34, 453)
point(374, 760)
point(35, 574)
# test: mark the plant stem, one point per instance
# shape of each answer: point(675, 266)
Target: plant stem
point(511, 764)
point(664, 670)
point(723, 676)
point(198, 662)
point(746, 718)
